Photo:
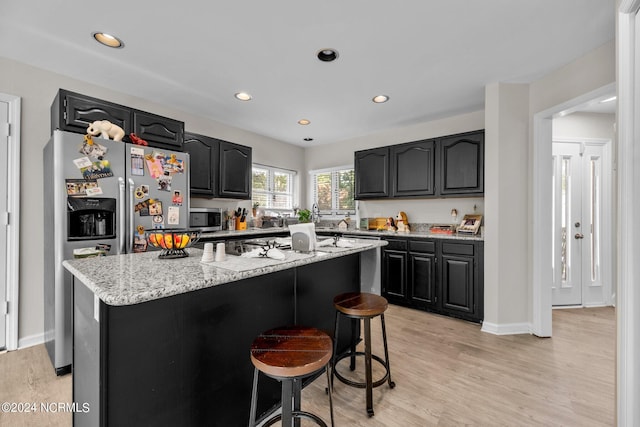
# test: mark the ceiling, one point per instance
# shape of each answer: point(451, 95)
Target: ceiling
point(432, 58)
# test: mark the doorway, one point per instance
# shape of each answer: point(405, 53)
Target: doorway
point(9, 219)
point(581, 198)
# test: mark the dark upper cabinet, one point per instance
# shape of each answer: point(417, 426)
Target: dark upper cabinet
point(413, 169)
point(218, 168)
point(372, 173)
point(73, 112)
point(235, 171)
point(158, 131)
point(462, 164)
point(442, 167)
point(203, 155)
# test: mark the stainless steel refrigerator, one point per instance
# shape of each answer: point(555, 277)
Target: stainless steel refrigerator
point(99, 198)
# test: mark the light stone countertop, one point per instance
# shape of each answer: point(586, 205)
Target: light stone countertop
point(137, 278)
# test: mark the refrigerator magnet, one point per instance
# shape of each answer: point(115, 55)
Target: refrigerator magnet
point(177, 198)
point(173, 217)
point(93, 149)
point(158, 221)
point(142, 208)
point(155, 208)
point(164, 183)
point(82, 162)
point(97, 170)
point(154, 166)
point(173, 165)
point(142, 191)
point(137, 161)
point(80, 187)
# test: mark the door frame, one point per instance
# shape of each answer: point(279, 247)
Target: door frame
point(606, 244)
point(13, 228)
point(628, 298)
point(542, 207)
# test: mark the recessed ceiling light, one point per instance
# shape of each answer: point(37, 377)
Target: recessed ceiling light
point(303, 122)
point(327, 55)
point(308, 139)
point(108, 40)
point(243, 96)
point(613, 98)
point(379, 99)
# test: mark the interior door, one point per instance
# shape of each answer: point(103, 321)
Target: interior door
point(578, 225)
point(4, 154)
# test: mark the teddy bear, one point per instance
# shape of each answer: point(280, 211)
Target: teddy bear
point(106, 130)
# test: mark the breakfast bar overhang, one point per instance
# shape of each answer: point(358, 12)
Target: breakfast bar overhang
point(166, 342)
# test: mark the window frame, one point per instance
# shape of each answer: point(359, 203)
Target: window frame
point(271, 172)
point(334, 212)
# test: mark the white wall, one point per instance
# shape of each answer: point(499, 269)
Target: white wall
point(585, 125)
point(37, 88)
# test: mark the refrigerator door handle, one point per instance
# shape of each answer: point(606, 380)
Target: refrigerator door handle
point(122, 212)
point(131, 232)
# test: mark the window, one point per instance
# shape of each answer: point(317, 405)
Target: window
point(272, 187)
point(333, 190)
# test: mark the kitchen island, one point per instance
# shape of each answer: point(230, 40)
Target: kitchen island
point(166, 342)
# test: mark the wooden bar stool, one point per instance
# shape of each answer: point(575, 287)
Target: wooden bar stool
point(289, 355)
point(365, 306)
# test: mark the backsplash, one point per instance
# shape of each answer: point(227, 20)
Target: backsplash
point(422, 211)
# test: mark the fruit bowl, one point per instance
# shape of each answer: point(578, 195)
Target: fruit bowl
point(172, 242)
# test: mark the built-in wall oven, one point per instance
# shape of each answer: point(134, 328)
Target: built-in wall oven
point(205, 219)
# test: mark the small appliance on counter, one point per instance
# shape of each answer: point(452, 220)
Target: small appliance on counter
point(205, 219)
point(303, 237)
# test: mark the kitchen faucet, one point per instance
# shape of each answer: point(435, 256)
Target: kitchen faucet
point(315, 214)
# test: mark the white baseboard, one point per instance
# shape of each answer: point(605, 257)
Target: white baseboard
point(30, 341)
point(506, 329)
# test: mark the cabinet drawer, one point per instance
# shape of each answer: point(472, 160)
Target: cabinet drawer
point(422, 246)
point(396, 244)
point(458, 248)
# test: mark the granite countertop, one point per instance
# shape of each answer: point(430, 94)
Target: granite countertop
point(413, 234)
point(137, 278)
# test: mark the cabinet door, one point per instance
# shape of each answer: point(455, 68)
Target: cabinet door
point(413, 169)
point(235, 171)
point(458, 284)
point(372, 173)
point(203, 160)
point(394, 276)
point(74, 113)
point(422, 279)
point(158, 131)
point(462, 164)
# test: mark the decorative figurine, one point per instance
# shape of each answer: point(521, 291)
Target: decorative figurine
point(402, 222)
point(105, 129)
point(137, 140)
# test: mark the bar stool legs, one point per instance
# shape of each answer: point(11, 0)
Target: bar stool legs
point(362, 306)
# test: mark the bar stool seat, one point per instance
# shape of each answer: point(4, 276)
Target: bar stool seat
point(290, 354)
point(362, 306)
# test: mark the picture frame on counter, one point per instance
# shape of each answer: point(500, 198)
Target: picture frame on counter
point(470, 224)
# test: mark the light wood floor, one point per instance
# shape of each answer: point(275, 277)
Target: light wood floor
point(447, 373)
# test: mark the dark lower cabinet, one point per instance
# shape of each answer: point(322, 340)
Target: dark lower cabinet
point(440, 276)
